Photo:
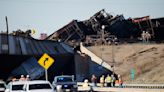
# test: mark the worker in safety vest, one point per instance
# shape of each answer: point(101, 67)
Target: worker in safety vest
point(113, 80)
point(102, 81)
point(143, 35)
point(147, 37)
point(86, 84)
point(108, 80)
point(22, 78)
point(120, 82)
point(27, 78)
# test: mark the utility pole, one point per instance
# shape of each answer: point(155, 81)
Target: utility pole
point(102, 33)
point(102, 39)
point(113, 53)
point(7, 32)
point(7, 26)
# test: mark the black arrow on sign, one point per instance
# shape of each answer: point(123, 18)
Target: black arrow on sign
point(45, 61)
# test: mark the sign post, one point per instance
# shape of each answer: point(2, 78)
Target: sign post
point(46, 61)
point(46, 75)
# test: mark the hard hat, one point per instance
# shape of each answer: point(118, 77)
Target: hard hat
point(86, 81)
point(119, 76)
point(22, 75)
point(27, 76)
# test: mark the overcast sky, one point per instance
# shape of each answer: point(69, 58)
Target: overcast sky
point(49, 15)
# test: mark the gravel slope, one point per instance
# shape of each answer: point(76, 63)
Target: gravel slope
point(147, 60)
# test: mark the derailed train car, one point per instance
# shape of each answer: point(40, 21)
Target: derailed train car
point(77, 31)
point(126, 30)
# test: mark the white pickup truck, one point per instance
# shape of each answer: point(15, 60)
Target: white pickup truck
point(30, 86)
point(2, 86)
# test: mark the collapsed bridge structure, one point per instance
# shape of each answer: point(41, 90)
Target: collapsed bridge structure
point(19, 55)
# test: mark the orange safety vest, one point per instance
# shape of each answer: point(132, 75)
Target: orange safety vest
point(120, 81)
point(117, 82)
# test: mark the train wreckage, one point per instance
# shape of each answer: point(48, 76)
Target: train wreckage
point(102, 27)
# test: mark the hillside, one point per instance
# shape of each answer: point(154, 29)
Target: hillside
point(147, 60)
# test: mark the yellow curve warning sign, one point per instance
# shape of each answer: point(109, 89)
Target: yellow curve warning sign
point(46, 61)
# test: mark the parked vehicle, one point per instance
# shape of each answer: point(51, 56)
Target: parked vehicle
point(16, 86)
point(2, 86)
point(65, 83)
point(38, 86)
point(30, 86)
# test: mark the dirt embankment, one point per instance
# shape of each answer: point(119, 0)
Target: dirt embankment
point(147, 60)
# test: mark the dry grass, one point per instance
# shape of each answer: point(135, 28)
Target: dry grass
point(146, 59)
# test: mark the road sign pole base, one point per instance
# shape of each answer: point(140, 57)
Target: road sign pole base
point(46, 75)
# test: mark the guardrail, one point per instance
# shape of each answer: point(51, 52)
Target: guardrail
point(147, 86)
point(143, 86)
point(124, 88)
